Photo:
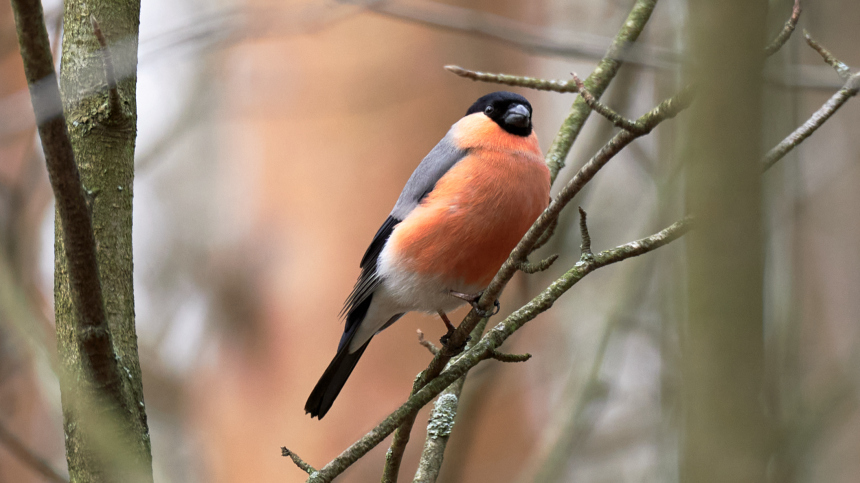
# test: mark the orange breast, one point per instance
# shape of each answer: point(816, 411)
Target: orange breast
point(478, 211)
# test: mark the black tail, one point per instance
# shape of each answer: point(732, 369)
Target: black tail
point(332, 380)
point(339, 369)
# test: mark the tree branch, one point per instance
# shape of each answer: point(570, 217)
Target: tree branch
point(585, 247)
point(513, 80)
point(439, 429)
point(29, 457)
point(298, 461)
point(505, 357)
point(394, 456)
point(77, 232)
point(547, 234)
point(786, 31)
point(427, 344)
point(493, 339)
point(848, 90)
point(597, 83)
point(540, 266)
point(840, 67)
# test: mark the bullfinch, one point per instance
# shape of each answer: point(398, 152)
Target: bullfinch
point(463, 210)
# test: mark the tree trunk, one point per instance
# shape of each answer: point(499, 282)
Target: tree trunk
point(103, 442)
point(727, 435)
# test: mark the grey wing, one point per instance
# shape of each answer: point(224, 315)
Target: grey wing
point(437, 162)
point(440, 159)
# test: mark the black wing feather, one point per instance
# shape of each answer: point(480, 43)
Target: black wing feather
point(369, 278)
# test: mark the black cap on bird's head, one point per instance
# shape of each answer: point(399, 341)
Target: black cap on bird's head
point(510, 111)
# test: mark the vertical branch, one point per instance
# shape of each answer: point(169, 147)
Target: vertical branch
point(439, 429)
point(726, 434)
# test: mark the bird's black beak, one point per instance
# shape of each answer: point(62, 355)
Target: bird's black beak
point(518, 116)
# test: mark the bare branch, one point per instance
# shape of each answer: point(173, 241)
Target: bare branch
point(426, 343)
point(298, 461)
point(597, 83)
point(29, 457)
point(813, 123)
point(516, 81)
point(439, 429)
point(666, 110)
point(786, 31)
point(540, 266)
point(604, 110)
point(841, 68)
point(505, 357)
point(585, 248)
point(848, 90)
point(115, 107)
point(547, 234)
point(394, 455)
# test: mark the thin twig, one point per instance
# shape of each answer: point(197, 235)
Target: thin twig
point(427, 344)
point(505, 357)
point(848, 90)
point(513, 80)
point(813, 123)
point(115, 106)
point(547, 235)
point(585, 247)
point(493, 339)
point(597, 83)
point(29, 457)
point(840, 67)
point(298, 461)
point(540, 266)
point(641, 126)
point(786, 31)
point(604, 110)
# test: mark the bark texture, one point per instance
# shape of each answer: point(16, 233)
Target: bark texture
point(104, 442)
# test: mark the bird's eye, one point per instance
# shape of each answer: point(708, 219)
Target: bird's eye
point(489, 110)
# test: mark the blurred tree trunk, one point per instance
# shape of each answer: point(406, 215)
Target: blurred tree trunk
point(727, 435)
point(102, 444)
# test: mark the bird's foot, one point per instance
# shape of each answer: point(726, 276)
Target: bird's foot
point(473, 301)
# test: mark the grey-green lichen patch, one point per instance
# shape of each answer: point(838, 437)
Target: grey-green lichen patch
point(442, 417)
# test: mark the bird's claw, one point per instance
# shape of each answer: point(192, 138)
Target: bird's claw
point(473, 301)
point(486, 314)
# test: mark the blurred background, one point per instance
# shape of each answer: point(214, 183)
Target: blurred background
point(274, 138)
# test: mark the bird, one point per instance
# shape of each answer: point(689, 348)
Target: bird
point(461, 213)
